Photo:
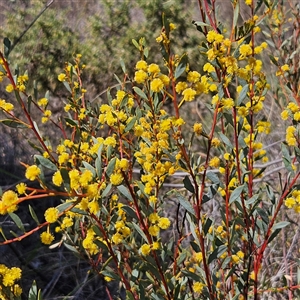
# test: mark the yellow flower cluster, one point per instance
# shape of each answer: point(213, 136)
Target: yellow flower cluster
point(88, 242)
point(293, 201)
point(21, 82)
point(8, 277)
point(8, 107)
point(146, 248)
point(46, 237)
point(238, 257)
point(51, 214)
point(290, 136)
point(8, 202)
point(158, 81)
point(32, 172)
point(122, 231)
point(157, 223)
point(195, 85)
point(151, 155)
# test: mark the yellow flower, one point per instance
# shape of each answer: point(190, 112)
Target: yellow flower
point(198, 257)
point(124, 164)
point(180, 87)
point(61, 77)
point(110, 141)
point(155, 246)
point(284, 115)
point(248, 2)
point(154, 230)
point(116, 178)
point(164, 223)
point(85, 178)
point(6, 106)
point(145, 249)
point(156, 85)
point(43, 102)
point(153, 218)
point(227, 103)
point(215, 142)
point(51, 214)
point(141, 65)
point(285, 68)
point(57, 178)
point(214, 162)
point(245, 50)
point(189, 94)
point(208, 68)
point(9, 88)
point(198, 287)
point(193, 77)
point(32, 172)
point(290, 202)
point(21, 188)
point(227, 156)
point(9, 198)
point(47, 238)
point(197, 128)
point(153, 68)
point(140, 76)
point(74, 179)
point(297, 116)
point(11, 275)
point(213, 36)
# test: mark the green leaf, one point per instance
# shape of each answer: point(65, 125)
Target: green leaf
point(71, 248)
point(181, 67)
point(125, 192)
point(13, 124)
point(64, 206)
point(184, 203)
point(106, 190)
point(100, 244)
point(130, 125)
point(34, 293)
point(140, 92)
point(98, 167)
point(123, 65)
point(263, 215)
point(7, 46)
point(236, 194)
point(281, 225)
point(17, 221)
point(199, 23)
point(242, 94)
point(236, 13)
point(273, 235)
point(207, 226)
point(297, 153)
point(216, 253)
point(45, 162)
point(225, 140)
point(130, 211)
point(213, 177)
point(71, 122)
point(188, 185)
point(33, 214)
point(111, 166)
point(136, 44)
point(140, 231)
point(274, 61)
point(67, 86)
